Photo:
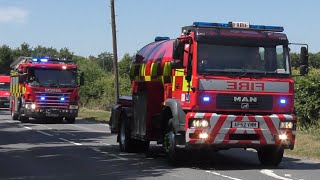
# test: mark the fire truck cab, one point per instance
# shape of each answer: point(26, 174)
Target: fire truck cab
point(44, 88)
point(4, 91)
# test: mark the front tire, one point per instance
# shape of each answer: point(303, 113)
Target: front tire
point(71, 120)
point(23, 119)
point(270, 156)
point(174, 154)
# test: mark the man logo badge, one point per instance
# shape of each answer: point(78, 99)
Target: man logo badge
point(244, 105)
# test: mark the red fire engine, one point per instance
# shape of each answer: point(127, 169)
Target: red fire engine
point(217, 86)
point(44, 88)
point(4, 91)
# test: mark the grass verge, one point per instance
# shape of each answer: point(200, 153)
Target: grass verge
point(95, 115)
point(307, 145)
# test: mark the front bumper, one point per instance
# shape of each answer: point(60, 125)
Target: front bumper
point(222, 133)
point(51, 113)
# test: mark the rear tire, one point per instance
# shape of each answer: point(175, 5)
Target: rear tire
point(71, 120)
point(270, 156)
point(14, 116)
point(126, 144)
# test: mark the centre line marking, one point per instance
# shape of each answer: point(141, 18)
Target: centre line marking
point(218, 174)
point(41, 132)
point(272, 174)
point(78, 144)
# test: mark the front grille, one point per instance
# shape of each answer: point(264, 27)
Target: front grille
point(241, 102)
point(53, 100)
point(4, 98)
point(244, 137)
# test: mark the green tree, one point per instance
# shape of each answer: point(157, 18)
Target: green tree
point(40, 51)
point(23, 50)
point(65, 53)
point(6, 58)
point(124, 65)
point(105, 60)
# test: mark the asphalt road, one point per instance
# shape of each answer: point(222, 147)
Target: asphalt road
point(87, 150)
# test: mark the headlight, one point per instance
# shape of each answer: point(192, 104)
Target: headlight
point(33, 106)
point(73, 107)
point(199, 123)
point(287, 125)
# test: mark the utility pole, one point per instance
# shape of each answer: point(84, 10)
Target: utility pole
point(115, 55)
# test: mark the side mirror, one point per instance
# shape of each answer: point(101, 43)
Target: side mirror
point(303, 70)
point(304, 56)
point(304, 61)
point(178, 50)
point(81, 79)
point(22, 78)
point(177, 64)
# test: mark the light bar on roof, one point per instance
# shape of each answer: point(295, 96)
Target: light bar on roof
point(239, 25)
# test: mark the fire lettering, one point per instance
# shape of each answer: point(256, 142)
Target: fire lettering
point(231, 85)
point(245, 86)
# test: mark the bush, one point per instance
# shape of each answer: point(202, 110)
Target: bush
point(307, 98)
point(98, 91)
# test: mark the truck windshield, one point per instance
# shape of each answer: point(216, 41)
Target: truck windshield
point(4, 86)
point(243, 60)
point(52, 78)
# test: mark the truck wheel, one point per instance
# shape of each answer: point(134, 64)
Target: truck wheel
point(71, 120)
point(174, 154)
point(14, 116)
point(270, 156)
point(125, 142)
point(23, 119)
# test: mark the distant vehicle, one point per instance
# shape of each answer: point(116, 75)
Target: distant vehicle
point(44, 88)
point(4, 91)
point(217, 86)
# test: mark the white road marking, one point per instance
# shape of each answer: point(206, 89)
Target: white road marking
point(27, 127)
point(78, 144)
point(47, 134)
point(105, 143)
point(10, 121)
point(45, 126)
point(88, 129)
point(287, 175)
point(109, 154)
point(218, 174)
point(272, 174)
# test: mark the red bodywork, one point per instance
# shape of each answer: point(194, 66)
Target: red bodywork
point(154, 81)
point(4, 92)
point(48, 101)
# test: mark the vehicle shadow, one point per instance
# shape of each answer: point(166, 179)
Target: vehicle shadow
point(234, 159)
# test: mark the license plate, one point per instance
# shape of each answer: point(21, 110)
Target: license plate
point(245, 124)
point(52, 115)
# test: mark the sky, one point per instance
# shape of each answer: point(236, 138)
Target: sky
point(84, 26)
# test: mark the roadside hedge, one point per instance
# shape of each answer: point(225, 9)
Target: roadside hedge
point(307, 98)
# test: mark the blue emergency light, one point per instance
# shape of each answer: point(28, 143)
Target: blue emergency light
point(239, 25)
point(283, 101)
point(62, 98)
point(40, 60)
point(206, 98)
point(43, 98)
point(43, 60)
